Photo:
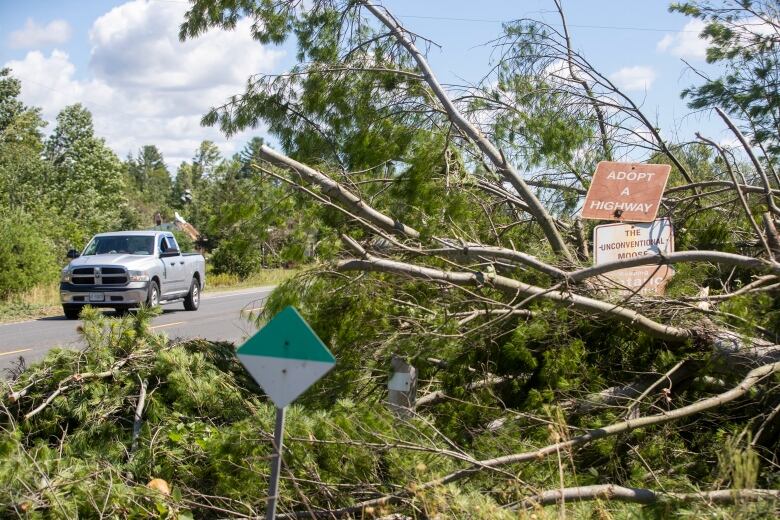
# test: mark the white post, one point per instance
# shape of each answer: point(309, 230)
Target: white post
point(402, 387)
point(276, 465)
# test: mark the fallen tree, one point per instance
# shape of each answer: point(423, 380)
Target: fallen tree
point(456, 207)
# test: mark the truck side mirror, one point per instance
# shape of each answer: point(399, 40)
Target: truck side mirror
point(72, 253)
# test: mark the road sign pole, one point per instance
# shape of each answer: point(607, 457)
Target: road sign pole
point(276, 464)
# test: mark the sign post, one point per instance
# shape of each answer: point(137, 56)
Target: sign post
point(628, 192)
point(285, 358)
point(276, 464)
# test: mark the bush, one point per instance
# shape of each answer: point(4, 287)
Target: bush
point(236, 255)
point(26, 254)
point(186, 244)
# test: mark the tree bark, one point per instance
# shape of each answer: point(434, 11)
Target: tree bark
point(644, 496)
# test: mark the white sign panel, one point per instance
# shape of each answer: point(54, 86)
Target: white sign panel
point(622, 241)
point(613, 242)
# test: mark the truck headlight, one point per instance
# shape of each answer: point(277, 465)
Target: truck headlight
point(66, 275)
point(138, 276)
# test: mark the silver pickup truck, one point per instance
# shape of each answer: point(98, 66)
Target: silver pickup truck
point(129, 268)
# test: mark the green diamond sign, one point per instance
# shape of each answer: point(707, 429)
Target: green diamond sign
point(285, 357)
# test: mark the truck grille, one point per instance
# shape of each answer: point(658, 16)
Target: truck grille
point(99, 276)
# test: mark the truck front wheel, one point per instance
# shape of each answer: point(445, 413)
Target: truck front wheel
point(153, 299)
point(71, 311)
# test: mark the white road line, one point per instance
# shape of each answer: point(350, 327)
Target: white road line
point(15, 352)
point(167, 325)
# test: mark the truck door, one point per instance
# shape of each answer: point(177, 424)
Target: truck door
point(173, 267)
point(182, 275)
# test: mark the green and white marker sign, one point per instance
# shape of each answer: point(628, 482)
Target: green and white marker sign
point(286, 357)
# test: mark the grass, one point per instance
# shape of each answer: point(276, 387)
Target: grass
point(226, 282)
point(44, 300)
point(38, 302)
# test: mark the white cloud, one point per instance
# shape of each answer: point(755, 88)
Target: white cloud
point(146, 87)
point(638, 77)
point(685, 44)
point(33, 35)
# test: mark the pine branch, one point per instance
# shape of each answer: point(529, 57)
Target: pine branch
point(510, 173)
point(751, 380)
point(72, 381)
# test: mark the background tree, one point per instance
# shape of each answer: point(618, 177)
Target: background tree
point(206, 166)
point(182, 183)
point(151, 182)
point(743, 37)
point(206, 160)
point(26, 254)
point(87, 183)
point(23, 173)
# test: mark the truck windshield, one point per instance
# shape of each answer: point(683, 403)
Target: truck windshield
point(121, 244)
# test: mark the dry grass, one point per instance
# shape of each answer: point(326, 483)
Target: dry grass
point(40, 301)
point(224, 282)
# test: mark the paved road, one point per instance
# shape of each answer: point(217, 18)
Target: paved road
point(222, 316)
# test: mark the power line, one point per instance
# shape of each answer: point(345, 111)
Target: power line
point(608, 27)
point(490, 20)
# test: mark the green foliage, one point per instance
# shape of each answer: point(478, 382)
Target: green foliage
point(554, 135)
point(149, 184)
point(205, 430)
point(739, 465)
point(26, 254)
point(746, 313)
point(236, 255)
point(23, 173)
point(186, 244)
point(742, 36)
point(252, 221)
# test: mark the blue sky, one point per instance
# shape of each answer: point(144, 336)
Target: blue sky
point(123, 61)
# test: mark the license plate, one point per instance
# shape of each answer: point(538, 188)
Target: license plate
point(97, 297)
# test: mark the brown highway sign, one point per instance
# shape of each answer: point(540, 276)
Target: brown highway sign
point(629, 192)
